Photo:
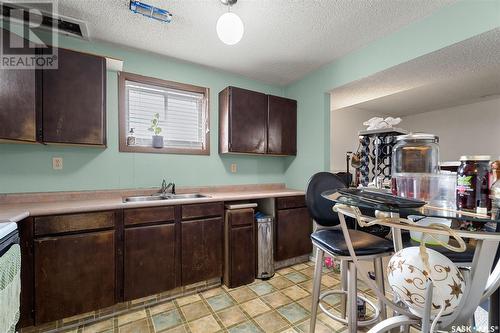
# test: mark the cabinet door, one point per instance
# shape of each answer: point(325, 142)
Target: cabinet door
point(293, 233)
point(149, 260)
point(74, 274)
point(282, 128)
point(242, 256)
point(201, 250)
point(74, 100)
point(247, 121)
point(17, 96)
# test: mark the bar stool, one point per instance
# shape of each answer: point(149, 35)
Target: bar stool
point(329, 239)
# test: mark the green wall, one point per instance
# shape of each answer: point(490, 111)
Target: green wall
point(28, 168)
point(25, 168)
point(447, 26)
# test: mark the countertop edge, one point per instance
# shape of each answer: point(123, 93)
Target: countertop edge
point(16, 213)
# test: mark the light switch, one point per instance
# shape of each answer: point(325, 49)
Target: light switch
point(57, 163)
point(234, 167)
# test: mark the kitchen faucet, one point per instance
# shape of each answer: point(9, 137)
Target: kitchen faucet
point(167, 189)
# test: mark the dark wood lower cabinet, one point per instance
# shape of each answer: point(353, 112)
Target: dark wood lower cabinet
point(201, 250)
point(293, 233)
point(149, 260)
point(239, 251)
point(74, 274)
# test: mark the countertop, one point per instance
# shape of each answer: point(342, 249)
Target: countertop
point(15, 210)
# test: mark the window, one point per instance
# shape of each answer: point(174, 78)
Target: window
point(181, 109)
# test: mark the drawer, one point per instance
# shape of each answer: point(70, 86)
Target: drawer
point(46, 225)
point(291, 202)
point(240, 217)
point(202, 210)
point(149, 215)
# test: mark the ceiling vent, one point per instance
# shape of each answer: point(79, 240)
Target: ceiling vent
point(46, 21)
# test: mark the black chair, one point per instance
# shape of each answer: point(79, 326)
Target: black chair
point(329, 239)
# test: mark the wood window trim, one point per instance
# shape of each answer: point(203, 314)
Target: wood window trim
point(122, 114)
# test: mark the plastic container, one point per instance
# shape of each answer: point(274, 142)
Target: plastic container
point(438, 190)
point(417, 236)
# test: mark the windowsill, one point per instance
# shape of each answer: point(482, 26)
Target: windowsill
point(164, 150)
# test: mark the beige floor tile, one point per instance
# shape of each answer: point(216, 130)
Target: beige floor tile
point(212, 292)
point(178, 329)
point(277, 299)
point(100, 326)
point(242, 294)
point(286, 270)
point(320, 327)
point(329, 281)
point(132, 316)
point(188, 299)
point(161, 307)
point(255, 307)
point(289, 330)
point(280, 282)
point(206, 324)
point(309, 271)
point(295, 292)
point(299, 267)
point(333, 324)
point(231, 316)
point(194, 311)
point(271, 322)
point(140, 326)
point(306, 302)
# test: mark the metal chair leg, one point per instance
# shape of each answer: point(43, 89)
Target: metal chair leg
point(318, 270)
point(379, 279)
point(343, 285)
point(352, 299)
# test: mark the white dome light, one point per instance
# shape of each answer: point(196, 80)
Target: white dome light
point(230, 28)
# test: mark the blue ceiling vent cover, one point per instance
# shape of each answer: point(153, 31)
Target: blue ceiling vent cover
point(150, 11)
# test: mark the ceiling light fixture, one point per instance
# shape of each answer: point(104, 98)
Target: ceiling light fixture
point(229, 26)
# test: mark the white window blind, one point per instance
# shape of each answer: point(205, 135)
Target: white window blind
point(182, 115)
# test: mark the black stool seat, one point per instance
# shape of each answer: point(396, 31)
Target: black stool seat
point(456, 257)
point(364, 244)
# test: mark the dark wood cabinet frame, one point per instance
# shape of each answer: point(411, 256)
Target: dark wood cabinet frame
point(122, 114)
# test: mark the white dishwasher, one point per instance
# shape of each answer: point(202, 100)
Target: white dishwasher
point(10, 276)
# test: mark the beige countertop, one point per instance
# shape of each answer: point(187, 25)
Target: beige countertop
point(16, 207)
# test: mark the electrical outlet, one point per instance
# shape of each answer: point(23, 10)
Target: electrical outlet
point(57, 163)
point(234, 167)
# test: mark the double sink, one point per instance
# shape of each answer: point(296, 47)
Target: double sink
point(156, 197)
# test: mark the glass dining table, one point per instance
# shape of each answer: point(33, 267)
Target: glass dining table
point(372, 207)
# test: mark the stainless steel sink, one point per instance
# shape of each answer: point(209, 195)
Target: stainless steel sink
point(188, 196)
point(140, 198)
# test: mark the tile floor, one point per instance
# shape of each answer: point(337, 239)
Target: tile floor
point(281, 304)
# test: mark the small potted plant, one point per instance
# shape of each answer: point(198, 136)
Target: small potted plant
point(156, 129)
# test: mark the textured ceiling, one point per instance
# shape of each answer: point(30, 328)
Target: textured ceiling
point(283, 41)
point(458, 74)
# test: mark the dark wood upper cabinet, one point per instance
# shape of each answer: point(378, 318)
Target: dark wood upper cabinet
point(74, 100)
point(243, 121)
point(17, 96)
point(74, 274)
point(282, 126)
point(254, 123)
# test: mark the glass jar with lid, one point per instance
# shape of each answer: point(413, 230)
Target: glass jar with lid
point(415, 153)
